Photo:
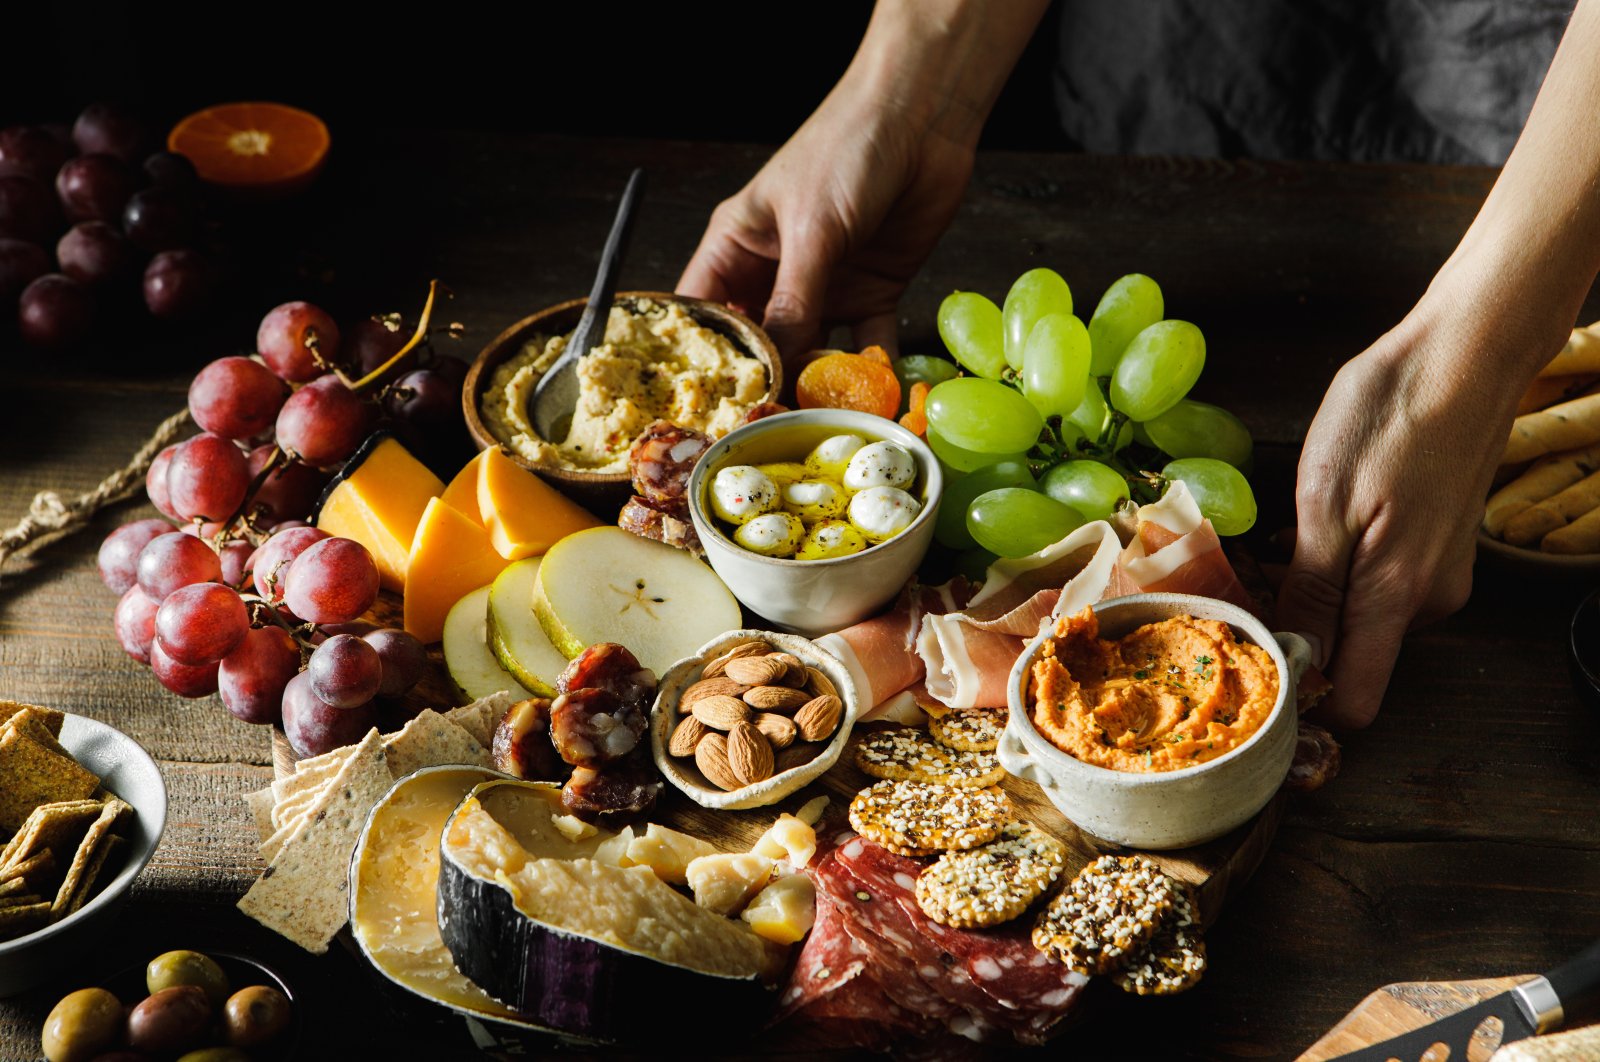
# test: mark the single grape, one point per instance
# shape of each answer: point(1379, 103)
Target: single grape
point(207, 530)
point(186, 680)
point(272, 559)
point(423, 399)
point(21, 263)
point(94, 188)
point(1089, 418)
point(332, 582)
point(1016, 522)
point(30, 151)
point(1035, 294)
point(118, 559)
point(293, 337)
point(983, 415)
point(950, 527)
point(27, 210)
point(55, 311)
point(155, 481)
point(405, 660)
point(236, 556)
point(135, 623)
point(1158, 368)
point(254, 675)
point(290, 491)
point(313, 726)
point(178, 284)
point(345, 671)
point(236, 397)
point(324, 422)
point(170, 170)
point(1221, 491)
point(109, 128)
point(959, 460)
point(201, 623)
point(371, 342)
point(207, 478)
point(454, 371)
point(160, 219)
point(1199, 429)
point(1093, 489)
point(176, 560)
point(1130, 305)
point(1055, 364)
point(921, 368)
point(974, 563)
point(971, 328)
point(94, 253)
point(359, 627)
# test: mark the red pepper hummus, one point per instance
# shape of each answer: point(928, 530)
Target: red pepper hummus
point(1169, 695)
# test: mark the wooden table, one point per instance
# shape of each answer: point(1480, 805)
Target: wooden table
point(1461, 839)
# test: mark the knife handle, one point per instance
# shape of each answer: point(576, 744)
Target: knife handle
point(1578, 977)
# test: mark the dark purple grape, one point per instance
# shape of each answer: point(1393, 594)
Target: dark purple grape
point(31, 151)
point(313, 726)
point(135, 623)
point(21, 263)
point(178, 284)
point(236, 397)
point(94, 253)
point(371, 342)
point(345, 671)
point(118, 559)
point(405, 660)
point(334, 581)
point(424, 399)
point(55, 311)
point(291, 489)
point(109, 128)
point(253, 677)
point(324, 422)
point(201, 623)
point(186, 680)
point(94, 188)
point(160, 219)
point(28, 210)
point(168, 169)
point(176, 560)
point(293, 336)
point(272, 560)
point(207, 478)
point(155, 481)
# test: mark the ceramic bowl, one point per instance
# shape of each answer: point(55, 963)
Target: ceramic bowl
point(601, 488)
point(816, 596)
point(127, 770)
point(1165, 809)
point(683, 774)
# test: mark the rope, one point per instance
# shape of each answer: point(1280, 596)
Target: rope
point(50, 517)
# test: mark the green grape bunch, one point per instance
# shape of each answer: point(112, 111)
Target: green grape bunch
point(1056, 423)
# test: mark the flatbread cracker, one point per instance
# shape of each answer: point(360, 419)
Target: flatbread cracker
point(302, 895)
point(309, 774)
point(310, 767)
point(31, 774)
point(89, 849)
point(261, 804)
point(110, 847)
point(432, 740)
point(482, 716)
point(31, 721)
point(17, 920)
point(58, 826)
point(36, 866)
point(53, 717)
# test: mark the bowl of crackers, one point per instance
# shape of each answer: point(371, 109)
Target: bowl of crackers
point(82, 807)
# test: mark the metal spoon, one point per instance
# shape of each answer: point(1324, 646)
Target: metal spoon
point(555, 396)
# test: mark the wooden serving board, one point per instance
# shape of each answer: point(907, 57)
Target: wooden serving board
point(1400, 1008)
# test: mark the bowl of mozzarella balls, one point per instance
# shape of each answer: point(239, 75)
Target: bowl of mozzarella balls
point(815, 519)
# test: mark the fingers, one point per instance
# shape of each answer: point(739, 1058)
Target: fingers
point(1312, 598)
point(1362, 665)
point(881, 329)
point(794, 310)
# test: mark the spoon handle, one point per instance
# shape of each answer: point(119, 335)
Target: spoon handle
point(592, 325)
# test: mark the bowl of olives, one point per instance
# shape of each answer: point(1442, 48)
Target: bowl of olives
point(193, 1006)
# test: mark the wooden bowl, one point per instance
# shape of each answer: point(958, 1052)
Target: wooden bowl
point(600, 489)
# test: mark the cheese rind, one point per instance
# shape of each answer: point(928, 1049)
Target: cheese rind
point(450, 557)
point(524, 515)
point(379, 503)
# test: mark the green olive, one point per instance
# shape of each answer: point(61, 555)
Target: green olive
point(215, 1054)
point(82, 1025)
point(255, 1015)
point(170, 1021)
point(187, 968)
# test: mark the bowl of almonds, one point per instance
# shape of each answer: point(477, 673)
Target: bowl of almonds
point(750, 718)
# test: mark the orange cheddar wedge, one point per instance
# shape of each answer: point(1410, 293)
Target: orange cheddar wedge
point(450, 557)
point(524, 515)
point(462, 493)
point(378, 500)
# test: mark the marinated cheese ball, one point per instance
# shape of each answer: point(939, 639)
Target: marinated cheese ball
point(784, 473)
point(814, 500)
point(829, 539)
point(740, 493)
point(771, 534)
point(880, 464)
point(882, 512)
point(832, 456)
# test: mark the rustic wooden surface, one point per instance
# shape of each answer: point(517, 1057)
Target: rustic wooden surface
point(1460, 840)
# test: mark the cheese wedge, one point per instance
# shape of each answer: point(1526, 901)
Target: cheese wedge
point(525, 516)
point(462, 493)
point(668, 852)
point(450, 558)
point(378, 501)
point(784, 911)
point(726, 881)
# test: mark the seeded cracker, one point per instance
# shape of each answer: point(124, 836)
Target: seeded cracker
point(31, 774)
point(969, 729)
point(916, 815)
point(52, 717)
point(57, 827)
point(906, 754)
point(1174, 960)
point(1111, 910)
point(994, 883)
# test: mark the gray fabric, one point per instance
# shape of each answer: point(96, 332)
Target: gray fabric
point(1363, 80)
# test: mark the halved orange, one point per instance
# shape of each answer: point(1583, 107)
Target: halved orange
point(260, 148)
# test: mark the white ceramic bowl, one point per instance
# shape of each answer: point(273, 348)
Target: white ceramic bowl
point(814, 597)
point(1164, 809)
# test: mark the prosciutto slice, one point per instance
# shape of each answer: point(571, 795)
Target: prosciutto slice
point(880, 653)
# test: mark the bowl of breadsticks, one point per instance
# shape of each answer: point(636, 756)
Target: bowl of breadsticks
point(1544, 513)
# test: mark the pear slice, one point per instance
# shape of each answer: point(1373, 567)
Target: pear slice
point(606, 585)
point(473, 668)
point(515, 635)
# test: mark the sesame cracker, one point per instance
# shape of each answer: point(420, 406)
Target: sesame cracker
point(920, 815)
point(969, 729)
point(1111, 910)
point(906, 754)
point(994, 883)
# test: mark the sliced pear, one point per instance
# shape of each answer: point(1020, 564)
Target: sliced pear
point(515, 636)
point(605, 585)
point(473, 668)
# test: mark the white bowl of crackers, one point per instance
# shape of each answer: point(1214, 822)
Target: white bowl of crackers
point(750, 718)
point(82, 807)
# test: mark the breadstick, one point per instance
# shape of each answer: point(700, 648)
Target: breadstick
point(1548, 390)
point(1533, 523)
point(1545, 478)
point(1580, 536)
point(1562, 427)
point(1581, 354)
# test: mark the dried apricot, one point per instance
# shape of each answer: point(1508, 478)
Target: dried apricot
point(915, 419)
point(849, 381)
point(877, 354)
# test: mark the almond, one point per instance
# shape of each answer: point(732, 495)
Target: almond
point(719, 662)
point(796, 675)
point(711, 756)
point(757, 670)
point(818, 683)
point(717, 685)
point(775, 698)
point(749, 754)
point(818, 718)
point(686, 736)
point(798, 754)
point(778, 729)
point(719, 712)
